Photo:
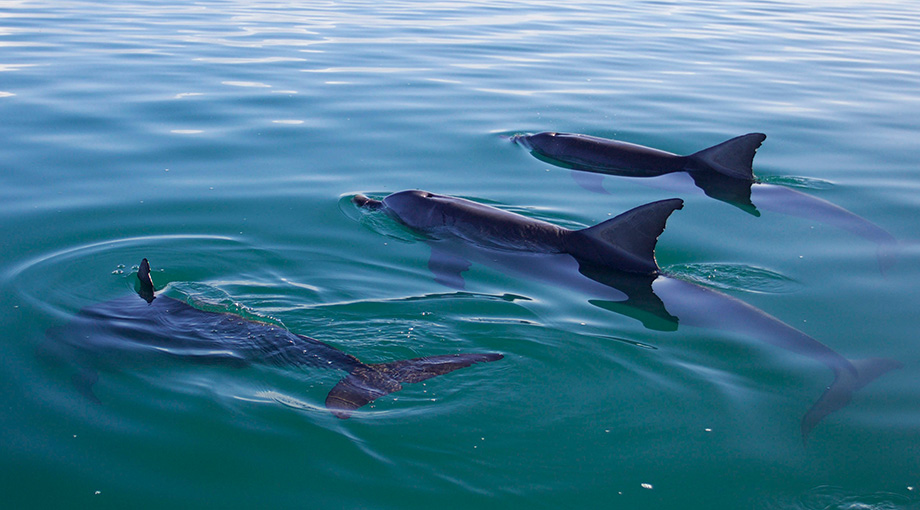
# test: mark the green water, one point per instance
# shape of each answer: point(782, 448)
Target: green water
point(223, 140)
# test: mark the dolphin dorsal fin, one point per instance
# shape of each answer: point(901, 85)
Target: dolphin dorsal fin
point(143, 276)
point(627, 242)
point(734, 158)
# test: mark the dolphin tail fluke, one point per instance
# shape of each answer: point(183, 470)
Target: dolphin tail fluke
point(840, 392)
point(367, 383)
point(734, 158)
point(448, 268)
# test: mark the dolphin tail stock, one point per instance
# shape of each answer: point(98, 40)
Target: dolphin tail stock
point(847, 380)
point(733, 158)
point(367, 383)
point(626, 242)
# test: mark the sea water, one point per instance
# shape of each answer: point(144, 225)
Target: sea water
point(222, 140)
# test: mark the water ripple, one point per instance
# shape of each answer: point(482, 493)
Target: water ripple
point(828, 497)
point(735, 277)
point(793, 181)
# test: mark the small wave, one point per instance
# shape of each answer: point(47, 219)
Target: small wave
point(500, 320)
point(792, 181)
point(735, 277)
point(213, 299)
point(288, 401)
point(834, 498)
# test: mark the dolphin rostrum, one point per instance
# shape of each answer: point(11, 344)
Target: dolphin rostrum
point(724, 172)
point(616, 260)
point(164, 324)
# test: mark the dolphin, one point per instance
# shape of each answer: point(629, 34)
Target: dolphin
point(163, 324)
point(724, 172)
point(614, 259)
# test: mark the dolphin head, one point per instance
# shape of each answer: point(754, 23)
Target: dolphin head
point(417, 209)
point(539, 141)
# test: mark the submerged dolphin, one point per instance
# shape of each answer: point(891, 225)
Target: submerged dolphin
point(164, 324)
point(616, 260)
point(723, 172)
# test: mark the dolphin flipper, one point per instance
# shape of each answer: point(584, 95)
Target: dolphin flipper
point(367, 383)
point(590, 181)
point(447, 268)
point(83, 382)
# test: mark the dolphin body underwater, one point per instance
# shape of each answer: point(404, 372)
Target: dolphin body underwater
point(164, 324)
point(723, 171)
point(616, 260)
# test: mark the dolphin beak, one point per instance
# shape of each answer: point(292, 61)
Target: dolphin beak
point(362, 200)
point(522, 141)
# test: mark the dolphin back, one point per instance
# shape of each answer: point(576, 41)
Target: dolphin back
point(626, 242)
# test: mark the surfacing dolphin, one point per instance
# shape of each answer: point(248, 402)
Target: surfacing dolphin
point(166, 325)
point(724, 172)
point(614, 259)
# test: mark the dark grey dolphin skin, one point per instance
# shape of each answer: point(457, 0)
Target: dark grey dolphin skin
point(166, 325)
point(617, 257)
point(724, 172)
point(733, 158)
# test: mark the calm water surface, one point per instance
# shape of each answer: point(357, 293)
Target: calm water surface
point(223, 139)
